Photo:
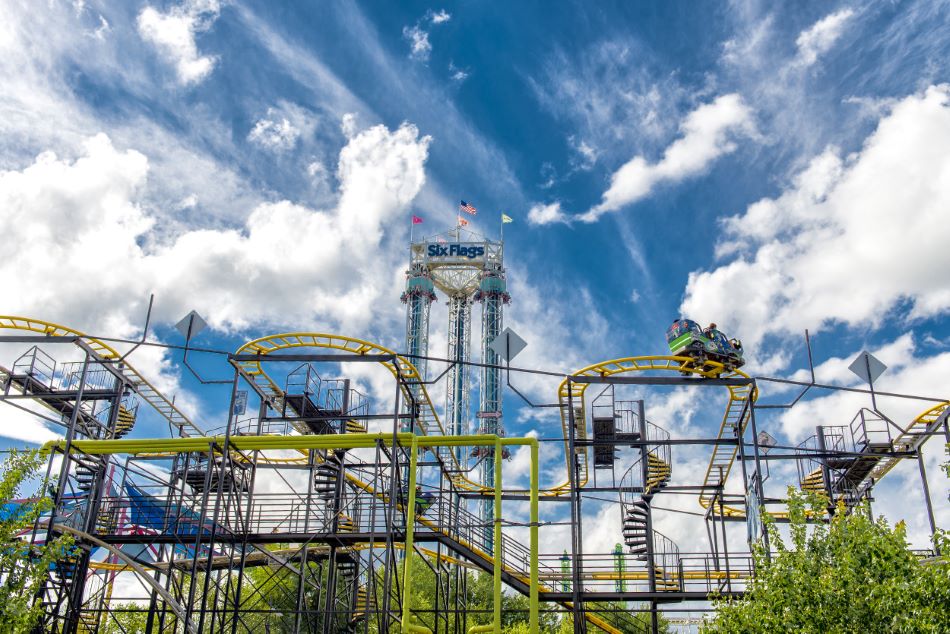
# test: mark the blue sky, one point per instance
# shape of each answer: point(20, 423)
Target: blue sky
point(771, 167)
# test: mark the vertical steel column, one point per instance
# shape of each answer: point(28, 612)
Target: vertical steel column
point(493, 295)
point(760, 488)
point(930, 508)
point(580, 624)
point(329, 617)
point(458, 384)
point(418, 298)
point(71, 622)
point(648, 498)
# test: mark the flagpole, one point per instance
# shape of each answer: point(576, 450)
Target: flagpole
point(502, 238)
point(412, 223)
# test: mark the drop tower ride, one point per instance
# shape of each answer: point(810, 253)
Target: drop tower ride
point(468, 268)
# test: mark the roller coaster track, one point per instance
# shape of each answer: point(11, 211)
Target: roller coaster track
point(913, 436)
point(453, 536)
point(571, 394)
point(426, 417)
point(142, 386)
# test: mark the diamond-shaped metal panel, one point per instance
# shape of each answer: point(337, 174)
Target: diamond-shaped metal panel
point(191, 325)
point(508, 344)
point(867, 367)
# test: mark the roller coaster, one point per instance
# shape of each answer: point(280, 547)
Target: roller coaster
point(304, 514)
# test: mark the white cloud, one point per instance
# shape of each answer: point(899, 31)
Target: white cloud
point(419, 46)
point(586, 154)
point(173, 35)
point(707, 133)
point(418, 38)
point(60, 212)
point(874, 221)
point(821, 36)
point(457, 74)
point(440, 16)
point(188, 202)
point(274, 135)
point(540, 214)
point(282, 127)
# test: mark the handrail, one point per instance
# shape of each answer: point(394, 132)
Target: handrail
point(148, 392)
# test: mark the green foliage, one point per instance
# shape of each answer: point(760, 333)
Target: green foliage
point(852, 575)
point(479, 602)
point(125, 618)
point(22, 568)
point(617, 615)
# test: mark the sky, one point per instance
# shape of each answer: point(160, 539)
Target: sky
point(772, 167)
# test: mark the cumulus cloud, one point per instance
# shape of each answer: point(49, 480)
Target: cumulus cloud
point(541, 214)
point(281, 127)
point(821, 36)
point(877, 218)
point(419, 46)
point(707, 133)
point(173, 35)
point(440, 16)
point(274, 135)
point(59, 214)
point(457, 74)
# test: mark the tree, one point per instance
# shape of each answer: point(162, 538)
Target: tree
point(23, 567)
point(854, 574)
point(619, 616)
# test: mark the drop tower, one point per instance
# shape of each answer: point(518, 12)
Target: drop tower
point(469, 269)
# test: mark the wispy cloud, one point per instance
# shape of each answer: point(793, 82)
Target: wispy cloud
point(821, 36)
point(707, 133)
point(419, 45)
point(611, 96)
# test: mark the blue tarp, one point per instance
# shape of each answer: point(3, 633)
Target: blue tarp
point(159, 515)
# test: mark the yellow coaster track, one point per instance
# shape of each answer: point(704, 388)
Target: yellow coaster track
point(145, 390)
point(571, 394)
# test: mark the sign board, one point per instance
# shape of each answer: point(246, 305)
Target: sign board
point(508, 344)
point(463, 251)
point(240, 403)
point(867, 367)
point(191, 325)
point(752, 516)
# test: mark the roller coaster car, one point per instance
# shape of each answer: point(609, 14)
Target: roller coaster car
point(687, 339)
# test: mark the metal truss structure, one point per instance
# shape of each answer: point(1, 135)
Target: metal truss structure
point(295, 517)
point(468, 268)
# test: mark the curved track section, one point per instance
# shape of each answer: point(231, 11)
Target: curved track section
point(426, 417)
point(910, 439)
point(571, 396)
point(145, 390)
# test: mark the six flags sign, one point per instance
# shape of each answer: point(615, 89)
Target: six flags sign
point(455, 250)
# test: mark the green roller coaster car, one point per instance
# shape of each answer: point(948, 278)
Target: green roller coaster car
point(687, 339)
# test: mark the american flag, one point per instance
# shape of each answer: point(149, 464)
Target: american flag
point(464, 206)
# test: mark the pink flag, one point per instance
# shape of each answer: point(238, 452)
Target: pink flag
point(416, 220)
